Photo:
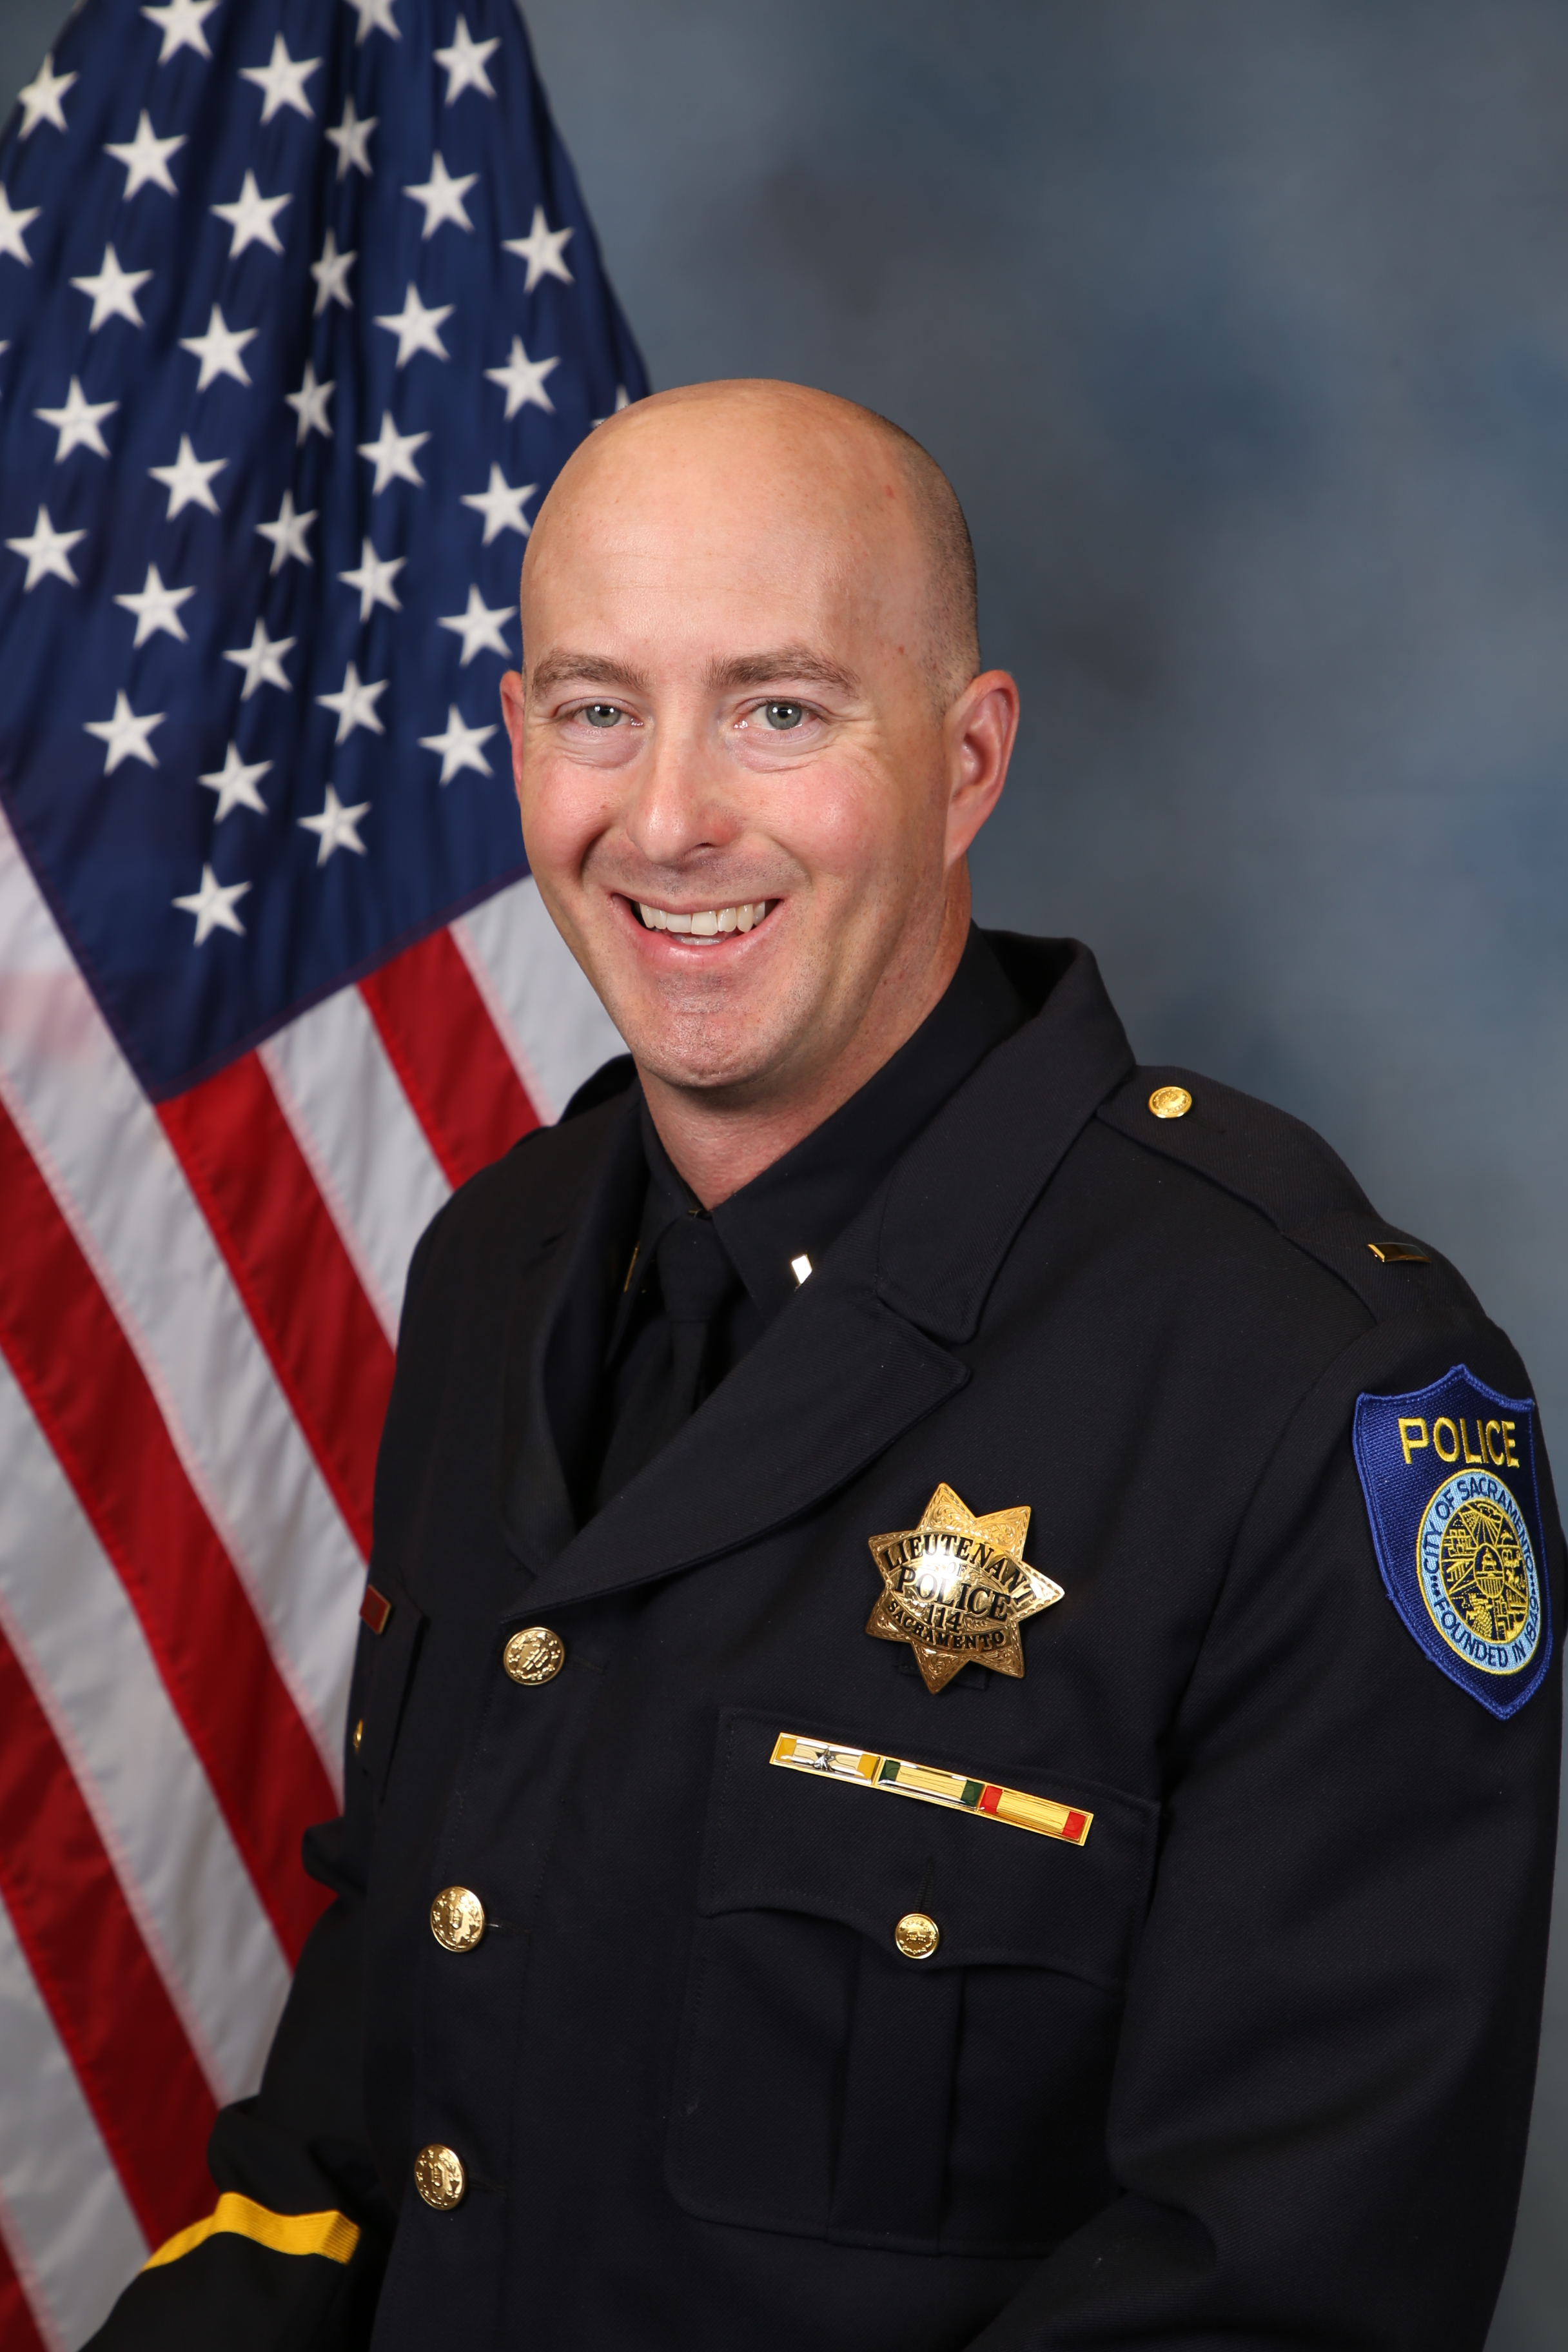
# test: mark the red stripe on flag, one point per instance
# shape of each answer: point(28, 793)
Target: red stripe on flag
point(109, 2005)
point(91, 1399)
point(442, 1043)
point(291, 1269)
point(18, 2328)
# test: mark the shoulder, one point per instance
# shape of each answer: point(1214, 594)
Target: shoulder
point(520, 1205)
point(1274, 1167)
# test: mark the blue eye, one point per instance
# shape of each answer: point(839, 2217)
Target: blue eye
point(602, 714)
point(783, 715)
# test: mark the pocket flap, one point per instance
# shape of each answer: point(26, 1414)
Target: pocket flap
point(865, 1854)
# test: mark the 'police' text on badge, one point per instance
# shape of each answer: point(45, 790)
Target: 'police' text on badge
point(1449, 1474)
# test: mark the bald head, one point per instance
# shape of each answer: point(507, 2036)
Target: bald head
point(751, 749)
point(859, 472)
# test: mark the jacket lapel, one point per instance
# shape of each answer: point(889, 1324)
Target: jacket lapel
point(863, 1350)
point(555, 1348)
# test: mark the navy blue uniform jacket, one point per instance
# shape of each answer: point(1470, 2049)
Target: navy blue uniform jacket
point(1250, 2068)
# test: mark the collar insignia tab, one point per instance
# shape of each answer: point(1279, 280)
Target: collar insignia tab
point(957, 1587)
point(1449, 1474)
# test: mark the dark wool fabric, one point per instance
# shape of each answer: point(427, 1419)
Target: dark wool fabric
point(1250, 2068)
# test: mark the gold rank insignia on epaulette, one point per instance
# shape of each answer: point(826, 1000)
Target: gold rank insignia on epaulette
point(956, 1588)
point(961, 1792)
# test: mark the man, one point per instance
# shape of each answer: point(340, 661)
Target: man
point(955, 1741)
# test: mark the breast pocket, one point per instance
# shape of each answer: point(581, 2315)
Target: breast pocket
point(829, 2084)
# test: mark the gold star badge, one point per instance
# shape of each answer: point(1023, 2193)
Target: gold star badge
point(957, 1587)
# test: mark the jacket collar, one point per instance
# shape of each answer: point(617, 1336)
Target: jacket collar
point(860, 1353)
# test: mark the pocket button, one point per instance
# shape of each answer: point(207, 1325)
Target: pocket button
point(917, 1935)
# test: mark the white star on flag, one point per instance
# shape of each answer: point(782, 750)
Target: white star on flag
point(12, 224)
point(41, 99)
point(480, 627)
point(48, 551)
point(541, 249)
point(213, 906)
point(125, 735)
point(336, 827)
point(392, 453)
point(310, 405)
point(522, 380)
point(501, 506)
point(261, 660)
point(157, 608)
point(235, 784)
point(417, 329)
point(77, 422)
point(464, 63)
point(250, 217)
point(189, 479)
point(351, 139)
point(113, 291)
point(374, 16)
point(355, 704)
point(281, 81)
point(146, 158)
point(332, 276)
point(219, 349)
point(460, 746)
point(442, 197)
point(374, 580)
point(287, 534)
point(181, 22)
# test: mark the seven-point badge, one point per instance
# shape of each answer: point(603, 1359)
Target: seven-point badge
point(957, 1587)
point(1449, 1472)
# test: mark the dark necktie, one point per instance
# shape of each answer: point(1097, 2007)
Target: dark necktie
point(698, 1282)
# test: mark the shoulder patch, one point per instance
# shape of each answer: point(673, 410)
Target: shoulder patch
point(1449, 1472)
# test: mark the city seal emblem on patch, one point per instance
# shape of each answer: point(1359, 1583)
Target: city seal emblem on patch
point(1449, 1474)
point(957, 1587)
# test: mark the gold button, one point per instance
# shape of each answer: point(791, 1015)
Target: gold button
point(359, 1735)
point(534, 1655)
point(457, 1919)
point(916, 1936)
point(439, 2178)
point(1169, 1102)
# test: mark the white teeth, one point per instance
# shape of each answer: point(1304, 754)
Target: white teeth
point(709, 922)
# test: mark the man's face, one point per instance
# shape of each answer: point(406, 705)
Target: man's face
point(733, 775)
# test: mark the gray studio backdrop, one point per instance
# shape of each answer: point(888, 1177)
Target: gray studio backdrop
point(1244, 334)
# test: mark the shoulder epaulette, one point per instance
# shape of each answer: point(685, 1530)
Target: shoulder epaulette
point(1281, 1167)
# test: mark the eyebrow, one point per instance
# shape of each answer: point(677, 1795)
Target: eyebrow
point(783, 662)
point(590, 669)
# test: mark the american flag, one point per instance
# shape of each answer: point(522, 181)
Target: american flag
point(301, 314)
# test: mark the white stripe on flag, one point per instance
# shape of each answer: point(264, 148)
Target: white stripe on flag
point(110, 1166)
point(87, 1658)
point(76, 2241)
point(547, 1016)
point(362, 1140)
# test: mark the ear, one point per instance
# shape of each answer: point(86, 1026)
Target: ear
point(979, 731)
point(514, 705)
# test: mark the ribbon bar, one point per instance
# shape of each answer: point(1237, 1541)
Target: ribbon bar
point(958, 1791)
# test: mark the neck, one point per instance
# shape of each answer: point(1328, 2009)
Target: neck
point(718, 1144)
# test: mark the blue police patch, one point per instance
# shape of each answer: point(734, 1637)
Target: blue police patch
point(1449, 1474)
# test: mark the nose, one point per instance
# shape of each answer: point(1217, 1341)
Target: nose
point(680, 806)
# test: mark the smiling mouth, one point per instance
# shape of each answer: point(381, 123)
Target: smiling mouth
point(706, 922)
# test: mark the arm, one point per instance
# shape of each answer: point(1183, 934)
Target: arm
point(1324, 2077)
